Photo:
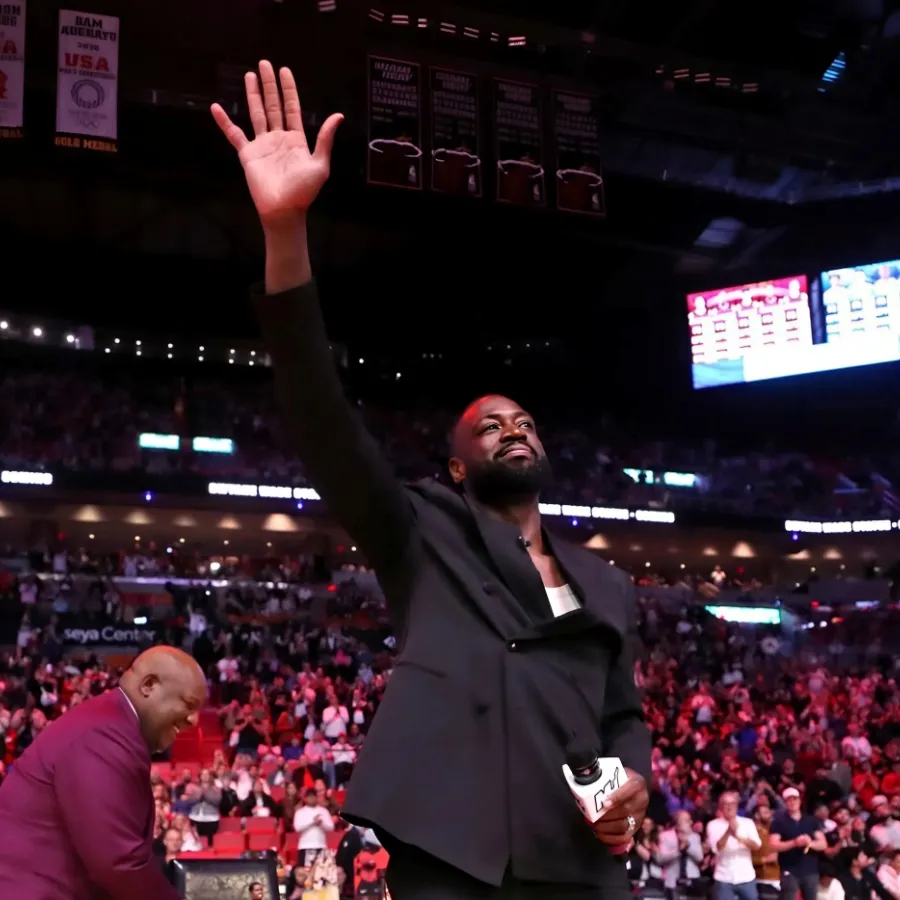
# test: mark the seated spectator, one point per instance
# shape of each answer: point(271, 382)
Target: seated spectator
point(889, 874)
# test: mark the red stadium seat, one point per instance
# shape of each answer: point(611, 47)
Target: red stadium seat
point(263, 842)
point(199, 854)
point(289, 852)
point(229, 842)
point(262, 824)
point(230, 823)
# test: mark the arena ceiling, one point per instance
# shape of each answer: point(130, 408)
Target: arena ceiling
point(735, 137)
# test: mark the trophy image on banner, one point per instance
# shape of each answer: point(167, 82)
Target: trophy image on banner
point(394, 154)
point(395, 161)
point(456, 171)
point(521, 181)
point(580, 190)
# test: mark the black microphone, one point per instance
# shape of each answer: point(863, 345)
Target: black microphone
point(584, 763)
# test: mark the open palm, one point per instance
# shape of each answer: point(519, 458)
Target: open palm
point(283, 176)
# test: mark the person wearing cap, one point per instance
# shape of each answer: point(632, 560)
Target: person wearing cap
point(798, 838)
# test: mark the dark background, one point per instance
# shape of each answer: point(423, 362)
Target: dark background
point(727, 159)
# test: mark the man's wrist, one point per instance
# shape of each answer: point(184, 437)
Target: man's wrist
point(287, 254)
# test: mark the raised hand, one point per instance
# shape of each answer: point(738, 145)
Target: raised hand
point(284, 177)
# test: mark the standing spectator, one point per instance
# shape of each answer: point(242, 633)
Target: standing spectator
point(206, 799)
point(311, 822)
point(798, 839)
point(335, 719)
point(765, 860)
point(680, 853)
point(856, 745)
point(732, 839)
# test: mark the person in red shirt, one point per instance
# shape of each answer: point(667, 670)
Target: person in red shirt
point(866, 785)
point(890, 784)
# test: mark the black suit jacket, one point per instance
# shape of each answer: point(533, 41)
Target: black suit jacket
point(464, 758)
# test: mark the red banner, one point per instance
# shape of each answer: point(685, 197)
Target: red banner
point(576, 130)
point(394, 155)
point(519, 144)
point(455, 133)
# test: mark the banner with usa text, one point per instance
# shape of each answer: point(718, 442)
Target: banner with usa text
point(87, 86)
point(12, 69)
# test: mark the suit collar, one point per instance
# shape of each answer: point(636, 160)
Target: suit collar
point(601, 603)
point(509, 555)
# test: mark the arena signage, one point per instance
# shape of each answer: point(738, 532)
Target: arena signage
point(110, 636)
point(42, 479)
point(569, 511)
point(857, 526)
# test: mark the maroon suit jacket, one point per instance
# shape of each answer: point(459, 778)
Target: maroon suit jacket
point(76, 812)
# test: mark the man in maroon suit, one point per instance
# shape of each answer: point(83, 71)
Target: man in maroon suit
point(76, 812)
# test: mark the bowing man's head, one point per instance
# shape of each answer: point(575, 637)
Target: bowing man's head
point(167, 689)
point(497, 454)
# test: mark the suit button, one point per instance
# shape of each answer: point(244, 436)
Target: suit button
point(513, 646)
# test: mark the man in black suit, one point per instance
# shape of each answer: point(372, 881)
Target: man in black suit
point(513, 645)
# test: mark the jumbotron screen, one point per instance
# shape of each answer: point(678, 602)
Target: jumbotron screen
point(775, 329)
point(734, 331)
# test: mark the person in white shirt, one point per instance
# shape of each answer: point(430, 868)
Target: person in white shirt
point(311, 822)
point(680, 851)
point(856, 746)
point(344, 759)
point(335, 719)
point(889, 875)
point(830, 888)
point(732, 839)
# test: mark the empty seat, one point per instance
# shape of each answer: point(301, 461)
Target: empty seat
point(229, 842)
point(261, 824)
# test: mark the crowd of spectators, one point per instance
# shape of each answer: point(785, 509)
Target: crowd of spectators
point(774, 763)
point(81, 422)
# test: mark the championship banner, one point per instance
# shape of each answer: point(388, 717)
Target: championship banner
point(520, 144)
point(87, 86)
point(576, 130)
point(12, 69)
point(394, 155)
point(455, 133)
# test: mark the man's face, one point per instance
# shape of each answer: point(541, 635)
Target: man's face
point(497, 452)
point(256, 892)
point(171, 704)
point(729, 807)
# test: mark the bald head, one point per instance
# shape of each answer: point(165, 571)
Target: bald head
point(169, 661)
point(167, 688)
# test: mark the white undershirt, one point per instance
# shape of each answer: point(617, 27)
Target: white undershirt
point(562, 600)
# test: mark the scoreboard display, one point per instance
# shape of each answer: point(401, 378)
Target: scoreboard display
point(730, 325)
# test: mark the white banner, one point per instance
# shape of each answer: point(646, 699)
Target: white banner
point(12, 64)
point(87, 83)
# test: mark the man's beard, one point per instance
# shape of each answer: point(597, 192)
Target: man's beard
point(497, 484)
